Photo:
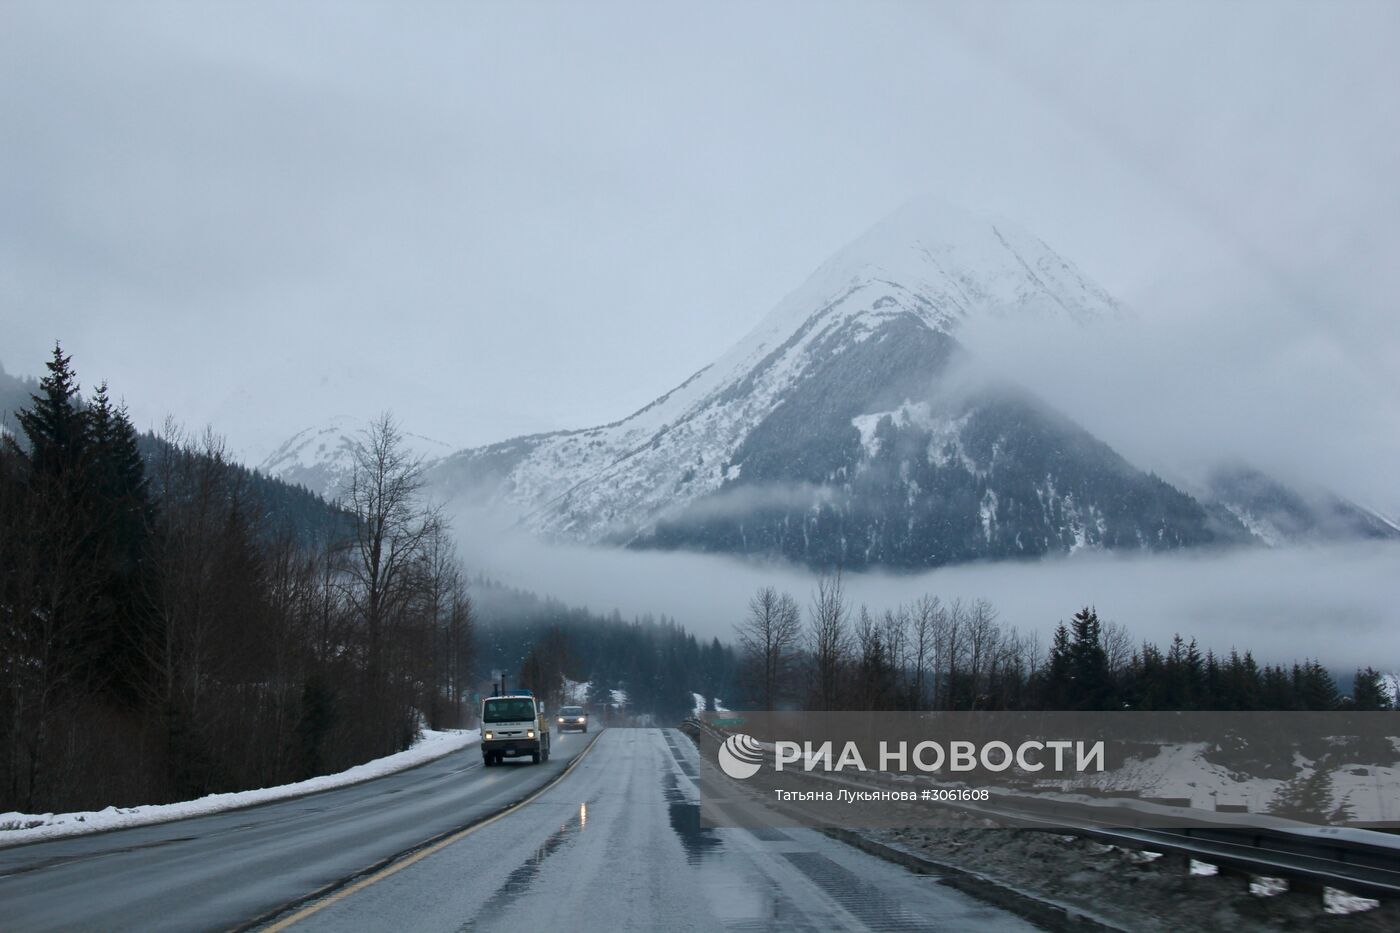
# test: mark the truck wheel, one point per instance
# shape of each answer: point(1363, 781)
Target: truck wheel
point(535, 758)
point(486, 761)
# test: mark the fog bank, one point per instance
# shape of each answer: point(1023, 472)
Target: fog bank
point(1336, 603)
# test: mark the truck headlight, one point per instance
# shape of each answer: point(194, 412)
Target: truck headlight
point(561, 718)
point(488, 733)
point(529, 733)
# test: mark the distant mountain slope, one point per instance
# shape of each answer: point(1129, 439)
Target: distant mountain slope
point(898, 477)
point(829, 433)
point(1278, 514)
point(322, 459)
point(282, 508)
point(14, 395)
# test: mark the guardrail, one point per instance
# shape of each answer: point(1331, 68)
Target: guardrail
point(1359, 861)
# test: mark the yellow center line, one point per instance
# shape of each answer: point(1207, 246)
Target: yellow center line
point(421, 854)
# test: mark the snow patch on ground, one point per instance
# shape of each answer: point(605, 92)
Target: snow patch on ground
point(30, 827)
point(576, 692)
point(1261, 528)
point(699, 701)
point(1183, 771)
point(1340, 902)
point(988, 512)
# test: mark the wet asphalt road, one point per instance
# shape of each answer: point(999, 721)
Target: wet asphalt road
point(217, 872)
point(618, 845)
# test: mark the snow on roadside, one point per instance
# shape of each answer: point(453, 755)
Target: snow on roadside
point(701, 705)
point(1340, 902)
point(30, 827)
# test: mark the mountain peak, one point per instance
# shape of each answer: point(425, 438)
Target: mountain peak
point(930, 220)
point(869, 330)
point(946, 264)
point(322, 458)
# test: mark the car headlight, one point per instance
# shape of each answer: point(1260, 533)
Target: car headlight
point(488, 733)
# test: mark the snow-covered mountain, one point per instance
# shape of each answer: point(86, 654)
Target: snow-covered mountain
point(829, 434)
point(322, 458)
point(842, 430)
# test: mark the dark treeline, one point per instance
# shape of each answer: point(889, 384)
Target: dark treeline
point(959, 656)
point(172, 624)
point(654, 661)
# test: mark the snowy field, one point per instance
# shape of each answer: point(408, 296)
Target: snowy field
point(1365, 790)
point(16, 828)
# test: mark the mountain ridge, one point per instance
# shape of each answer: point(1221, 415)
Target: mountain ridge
point(835, 430)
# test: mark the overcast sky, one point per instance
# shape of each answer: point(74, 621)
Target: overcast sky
point(503, 218)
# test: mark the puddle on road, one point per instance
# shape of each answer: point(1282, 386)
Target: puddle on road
point(519, 881)
point(697, 840)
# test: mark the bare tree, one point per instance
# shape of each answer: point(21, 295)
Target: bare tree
point(458, 642)
point(895, 635)
point(828, 641)
point(769, 637)
point(948, 641)
point(391, 532)
point(1118, 647)
point(983, 645)
point(923, 626)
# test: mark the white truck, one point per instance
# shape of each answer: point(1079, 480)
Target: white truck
point(513, 726)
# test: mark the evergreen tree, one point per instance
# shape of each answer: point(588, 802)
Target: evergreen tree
point(1214, 684)
point(1278, 690)
point(1093, 687)
point(1314, 687)
point(55, 426)
point(1368, 691)
point(1186, 675)
point(1059, 678)
point(123, 519)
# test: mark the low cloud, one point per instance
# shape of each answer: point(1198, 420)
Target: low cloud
point(738, 501)
point(1336, 603)
point(1187, 385)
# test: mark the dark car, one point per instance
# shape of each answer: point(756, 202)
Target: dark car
point(572, 717)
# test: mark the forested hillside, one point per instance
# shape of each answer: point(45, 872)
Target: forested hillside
point(654, 662)
point(174, 624)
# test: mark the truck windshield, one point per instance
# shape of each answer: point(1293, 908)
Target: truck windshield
point(512, 710)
